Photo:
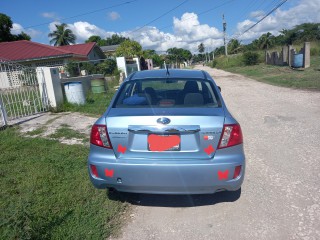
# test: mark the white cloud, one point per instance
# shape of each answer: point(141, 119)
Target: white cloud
point(113, 16)
point(83, 30)
point(257, 14)
point(51, 15)
point(188, 34)
point(190, 29)
point(18, 28)
point(304, 11)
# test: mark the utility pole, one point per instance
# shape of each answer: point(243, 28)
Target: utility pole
point(224, 23)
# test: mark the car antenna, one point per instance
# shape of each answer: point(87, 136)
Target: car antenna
point(165, 65)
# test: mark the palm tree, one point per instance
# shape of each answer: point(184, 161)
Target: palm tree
point(62, 36)
point(266, 40)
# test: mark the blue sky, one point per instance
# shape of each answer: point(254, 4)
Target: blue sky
point(186, 26)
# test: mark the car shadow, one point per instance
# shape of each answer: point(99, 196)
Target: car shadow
point(156, 200)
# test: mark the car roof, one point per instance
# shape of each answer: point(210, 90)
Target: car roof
point(173, 73)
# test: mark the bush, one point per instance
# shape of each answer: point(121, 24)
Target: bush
point(250, 58)
point(73, 69)
point(214, 63)
point(314, 51)
point(107, 67)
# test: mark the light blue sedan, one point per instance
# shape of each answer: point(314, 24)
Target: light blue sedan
point(167, 132)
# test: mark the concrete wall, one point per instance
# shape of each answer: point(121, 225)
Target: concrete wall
point(49, 85)
point(286, 56)
point(121, 64)
point(85, 81)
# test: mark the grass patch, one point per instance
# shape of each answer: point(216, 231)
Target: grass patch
point(96, 103)
point(283, 75)
point(276, 75)
point(37, 131)
point(66, 132)
point(46, 193)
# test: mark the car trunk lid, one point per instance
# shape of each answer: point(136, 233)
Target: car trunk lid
point(191, 134)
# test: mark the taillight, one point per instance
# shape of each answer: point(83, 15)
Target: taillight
point(231, 136)
point(237, 171)
point(99, 136)
point(94, 170)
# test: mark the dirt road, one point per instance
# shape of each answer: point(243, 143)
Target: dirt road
point(281, 191)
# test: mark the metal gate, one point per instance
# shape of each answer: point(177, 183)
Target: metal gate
point(22, 92)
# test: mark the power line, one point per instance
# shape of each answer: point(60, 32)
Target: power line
point(162, 15)
point(275, 8)
point(83, 14)
point(201, 13)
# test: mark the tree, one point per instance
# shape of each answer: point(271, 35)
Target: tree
point(266, 40)
point(62, 36)
point(21, 36)
point(302, 33)
point(5, 30)
point(129, 48)
point(219, 51)
point(97, 39)
point(234, 46)
point(201, 48)
point(151, 54)
point(115, 39)
point(178, 55)
point(93, 38)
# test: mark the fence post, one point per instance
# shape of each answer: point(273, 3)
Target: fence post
point(3, 114)
point(306, 55)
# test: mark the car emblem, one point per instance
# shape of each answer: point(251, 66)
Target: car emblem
point(163, 120)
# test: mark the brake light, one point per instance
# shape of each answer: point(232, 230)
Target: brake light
point(99, 136)
point(231, 136)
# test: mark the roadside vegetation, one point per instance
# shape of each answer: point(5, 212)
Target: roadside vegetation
point(46, 193)
point(283, 75)
point(249, 60)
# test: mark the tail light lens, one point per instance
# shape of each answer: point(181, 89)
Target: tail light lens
point(100, 137)
point(237, 171)
point(231, 136)
point(94, 170)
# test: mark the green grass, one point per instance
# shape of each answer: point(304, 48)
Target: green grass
point(37, 131)
point(283, 75)
point(46, 192)
point(96, 104)
point(66, 132)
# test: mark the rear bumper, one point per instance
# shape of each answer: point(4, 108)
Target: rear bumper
point(168, 177)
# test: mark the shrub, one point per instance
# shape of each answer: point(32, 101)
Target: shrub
point(250, 58)
point(214, 63)
point(107, 67)
point(314, 51)
point(72, 68)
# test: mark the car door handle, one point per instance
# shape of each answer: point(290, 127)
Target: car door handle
point(164, 129)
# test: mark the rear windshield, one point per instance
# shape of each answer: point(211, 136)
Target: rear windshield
point(167, 93)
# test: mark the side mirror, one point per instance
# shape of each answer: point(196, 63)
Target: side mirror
point(219, 88)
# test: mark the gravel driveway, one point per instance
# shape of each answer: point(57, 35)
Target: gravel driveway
point(281, 191)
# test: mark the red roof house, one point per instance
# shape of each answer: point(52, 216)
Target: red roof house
point(37, 54)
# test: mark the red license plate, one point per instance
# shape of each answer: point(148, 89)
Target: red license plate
point(161, 143)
